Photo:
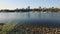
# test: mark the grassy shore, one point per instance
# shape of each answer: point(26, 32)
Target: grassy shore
point(13, 28)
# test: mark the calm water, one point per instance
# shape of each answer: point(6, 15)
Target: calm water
point(6, 17)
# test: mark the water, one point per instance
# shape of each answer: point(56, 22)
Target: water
point(29, 17)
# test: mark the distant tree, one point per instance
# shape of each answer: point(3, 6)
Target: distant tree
point(28, 7)
point(39, 7)
point(52, 7)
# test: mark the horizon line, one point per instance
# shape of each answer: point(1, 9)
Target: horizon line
point(27, 7)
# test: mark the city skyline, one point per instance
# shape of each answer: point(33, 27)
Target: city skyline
point(13, 4)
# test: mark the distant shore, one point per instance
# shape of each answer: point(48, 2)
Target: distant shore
point(34, 9)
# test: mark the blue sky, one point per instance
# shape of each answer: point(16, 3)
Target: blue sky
point(11, 4)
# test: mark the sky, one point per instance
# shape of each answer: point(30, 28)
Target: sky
point(12, 4)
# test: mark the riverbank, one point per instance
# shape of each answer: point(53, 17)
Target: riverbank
point(35, 9)
point(15, 29)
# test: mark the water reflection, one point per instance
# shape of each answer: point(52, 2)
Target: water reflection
point(23, 15)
